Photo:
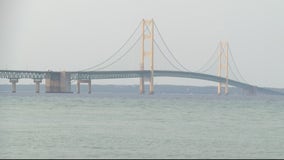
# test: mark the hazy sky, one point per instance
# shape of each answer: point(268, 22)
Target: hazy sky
point(73, 35)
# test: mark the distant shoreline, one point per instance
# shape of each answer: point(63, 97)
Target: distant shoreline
point(159, 89)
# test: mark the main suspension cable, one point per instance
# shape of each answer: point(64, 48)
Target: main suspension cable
point(165, 56)
point(209, 67)
point(235, 64)
point(233, 73)
point(109, 58)
point(169, 49)
point(119, 58)
point(208, 61)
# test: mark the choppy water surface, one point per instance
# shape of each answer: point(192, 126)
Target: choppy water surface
point(133, 126)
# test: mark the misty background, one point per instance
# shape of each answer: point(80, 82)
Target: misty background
point(73, 35)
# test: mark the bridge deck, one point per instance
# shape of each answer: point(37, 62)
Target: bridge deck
point(19, 74)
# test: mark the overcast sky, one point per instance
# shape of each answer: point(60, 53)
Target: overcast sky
point(73, 35)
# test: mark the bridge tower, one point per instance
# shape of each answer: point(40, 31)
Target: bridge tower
point(147, 50)
point(223, 57)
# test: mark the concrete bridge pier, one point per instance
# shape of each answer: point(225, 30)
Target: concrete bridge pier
point(84, 81)
point(37, 85)
point(58, 82)
point(78, 87)
point(142, 87)
point(14, 81)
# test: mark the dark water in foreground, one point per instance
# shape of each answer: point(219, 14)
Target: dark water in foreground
point(133, 126)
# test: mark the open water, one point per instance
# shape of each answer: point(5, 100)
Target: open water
point(134, 126)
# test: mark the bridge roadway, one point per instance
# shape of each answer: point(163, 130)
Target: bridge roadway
point(89, 75)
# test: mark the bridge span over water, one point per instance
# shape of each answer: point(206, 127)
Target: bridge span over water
point(60, 82)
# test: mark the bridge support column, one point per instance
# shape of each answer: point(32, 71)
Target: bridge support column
point(78, 86)
point(151, 85)
point(84, 81)
point(147, 51)
point(223, 57)
point(90, 87)
point(14, 81)
point(142, 87)
point(37, 85)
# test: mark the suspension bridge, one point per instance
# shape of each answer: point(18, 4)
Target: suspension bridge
point(221, 62)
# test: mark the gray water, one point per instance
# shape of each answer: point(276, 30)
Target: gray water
point(134, 126)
